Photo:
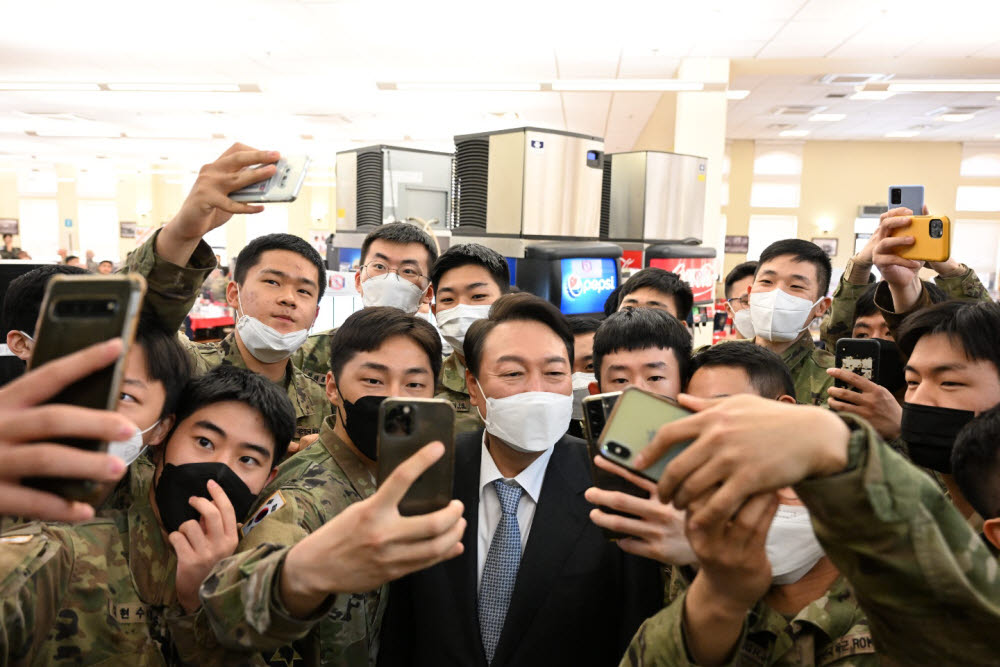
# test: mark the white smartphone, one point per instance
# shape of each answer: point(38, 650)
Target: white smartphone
point(907, 196)
point(284, 186)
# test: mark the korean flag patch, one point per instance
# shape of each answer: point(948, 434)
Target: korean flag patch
point(270, 506)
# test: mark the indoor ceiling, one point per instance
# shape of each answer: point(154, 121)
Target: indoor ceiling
point(309, 70)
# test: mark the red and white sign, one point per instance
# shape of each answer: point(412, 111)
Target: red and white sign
point(631, 261)
point(698, 272)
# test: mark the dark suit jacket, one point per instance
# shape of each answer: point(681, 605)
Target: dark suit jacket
point(578, 598)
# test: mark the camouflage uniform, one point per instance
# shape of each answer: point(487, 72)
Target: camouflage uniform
point(808, 365)
point(313, 358)
point(829, 631)
point(240, 595)
point(928, 584)
point(840, 323)
point(171, 291)
point(452, 388)
point(101, 591)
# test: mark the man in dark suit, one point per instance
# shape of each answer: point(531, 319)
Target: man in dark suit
point(537, 582)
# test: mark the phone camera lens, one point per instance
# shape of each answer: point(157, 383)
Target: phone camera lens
point(897, 196)
point(619, 450)
point(936, 228)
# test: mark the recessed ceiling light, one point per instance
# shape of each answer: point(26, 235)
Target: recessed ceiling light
point(959, 86)
point(793, 133)
point(626, 85)
point(827, 117)
point(737, 94)
point(872, 95)
point(901, 134)
point(174, 87)
point(462, 86)
point(955, 117)
point(49, 86)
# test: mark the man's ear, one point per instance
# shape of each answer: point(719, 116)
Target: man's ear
point(787, 399)
point(332, 392)
point(823, 306)
point(19, 345)
point(270, 478)
point(161, 430)
point(232, 295)
point(470, 382)
point(357, 281)
point(428, 295)
point(991, 529)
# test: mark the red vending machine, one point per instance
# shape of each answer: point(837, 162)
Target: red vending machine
point(696, 265)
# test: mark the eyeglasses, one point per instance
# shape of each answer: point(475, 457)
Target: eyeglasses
point(409, 273)
point(742, 301)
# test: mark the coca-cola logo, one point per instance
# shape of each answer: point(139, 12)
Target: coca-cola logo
point(700, 275)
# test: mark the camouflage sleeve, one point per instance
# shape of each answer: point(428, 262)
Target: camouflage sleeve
point(192, 638)
point(313, 358)
point(840, 322)
point(927, 582)
point(661, 640)
point(171, 290)
point(965, 286)
point(883, 299)
point(35, 572)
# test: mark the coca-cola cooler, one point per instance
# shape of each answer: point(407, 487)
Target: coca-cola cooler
point(696, 265)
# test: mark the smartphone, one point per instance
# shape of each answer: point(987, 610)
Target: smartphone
point(77, 312)
point(636, 418)
point(596, 410)
point(283, 186)
point(908, 196)
point(404, 426)
point(932, 234)
point(872, 358)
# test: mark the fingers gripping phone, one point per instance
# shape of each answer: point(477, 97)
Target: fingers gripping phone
point(596, 410)
point(77, 312)
point(873, 359)
point(283, 186)
point(633, 423)
point(404, 426)
point(932, 238)
point(907, 196)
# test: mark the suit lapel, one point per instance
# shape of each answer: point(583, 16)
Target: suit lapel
point(560, 516)
point(462, 571)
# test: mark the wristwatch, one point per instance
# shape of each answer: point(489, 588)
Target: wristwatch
point(857, 272)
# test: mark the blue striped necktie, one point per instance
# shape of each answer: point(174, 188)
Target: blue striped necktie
point(500, 569)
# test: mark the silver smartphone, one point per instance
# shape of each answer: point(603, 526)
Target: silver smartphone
point(907, 196)
point(283, 186)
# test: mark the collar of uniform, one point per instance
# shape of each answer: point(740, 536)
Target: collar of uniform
point(294, 382)
point(453, 374)
point(833, 615)
point(151, 558)
point(357, 472)
point(799, 350)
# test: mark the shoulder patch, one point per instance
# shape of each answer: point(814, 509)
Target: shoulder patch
point(274, 503)
point(461, 406)
point(856, 643)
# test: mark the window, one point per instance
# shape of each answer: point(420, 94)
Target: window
point(774, 195)
point(99, 230)
point(977, 198)
point(766, 229)
point(40, 227)
point(777, 159)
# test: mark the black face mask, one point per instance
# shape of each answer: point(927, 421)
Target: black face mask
point(361, 423)
point(930, 434)
point(178, 483)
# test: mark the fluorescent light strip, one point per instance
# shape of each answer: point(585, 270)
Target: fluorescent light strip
point(49, 86)
point(827, 117)
point(626, 85)
point(737, 94)
point(955, 117)
point(469, 86)
point(793, 133)
point(174, 87)
point(872, 95)
point(901, 134)
point(991, 86)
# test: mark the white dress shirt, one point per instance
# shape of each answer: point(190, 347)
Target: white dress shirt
point(530, 480)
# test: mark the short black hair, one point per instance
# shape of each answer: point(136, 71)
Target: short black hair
point(865, 306)
point(7, 236)
point(250, 256)
point(228, 383)
point(401, 233)
point(975, 462)
point(23, 300)
point(368, 328)
point(801, 251)
point(971, 324)
point(166, 359)
point(69, 257)
point(739, 272)
point(665, 282)
point(513, 308)
point(466, 254)
point(106, 261)
point(633, 329)
point(611, 303)
point(766, 371)
point(583, 324)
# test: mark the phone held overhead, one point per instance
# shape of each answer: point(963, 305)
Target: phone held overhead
point(283, 186)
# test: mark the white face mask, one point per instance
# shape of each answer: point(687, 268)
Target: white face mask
point(267, 345)
point(530, 422)
point(791, 545)
point(131, 449)
point(430, 319)
point(778, 316)
point(391, 290)
point(455, 322)
point(581, 390)
point(744, 324)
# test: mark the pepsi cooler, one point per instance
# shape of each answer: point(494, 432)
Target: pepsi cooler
point(576, 277)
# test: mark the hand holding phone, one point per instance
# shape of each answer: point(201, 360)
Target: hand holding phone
point(282, 186)
point(405, 426)
point(29, 426)
point(931, 238)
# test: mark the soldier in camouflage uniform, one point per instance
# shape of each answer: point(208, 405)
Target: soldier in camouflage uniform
point(313, 358)
point(110, 590)
point(467, 279)
point(243, 597)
